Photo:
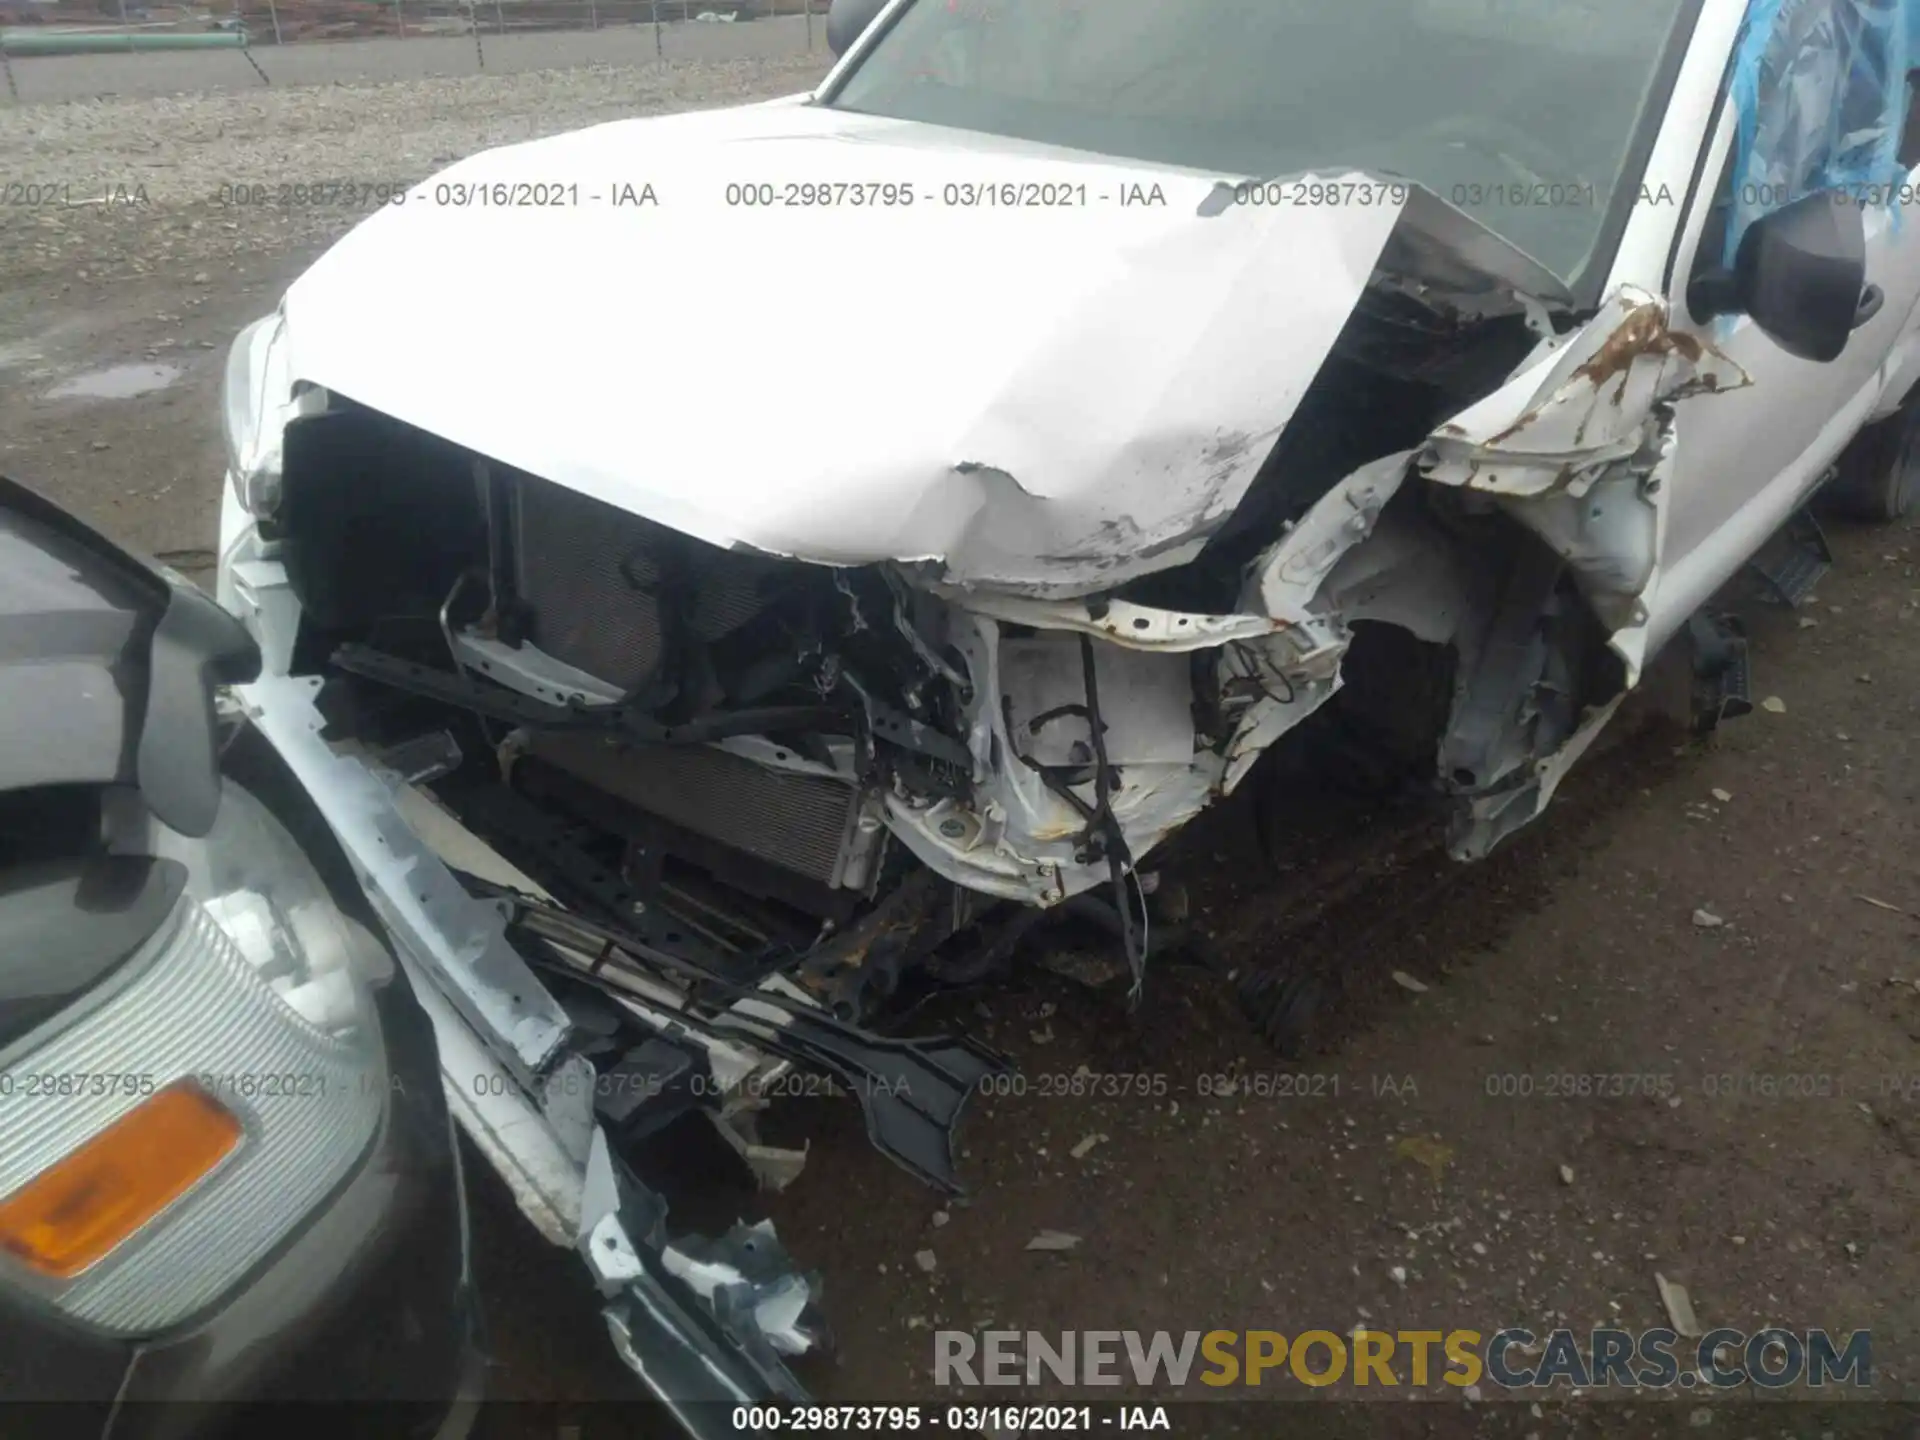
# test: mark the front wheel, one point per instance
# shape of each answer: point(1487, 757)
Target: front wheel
point(1879, 474)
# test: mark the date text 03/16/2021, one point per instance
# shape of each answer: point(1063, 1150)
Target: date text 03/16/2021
point(948, 1419)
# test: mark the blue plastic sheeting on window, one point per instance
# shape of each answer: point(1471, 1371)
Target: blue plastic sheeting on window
point(1820, 98)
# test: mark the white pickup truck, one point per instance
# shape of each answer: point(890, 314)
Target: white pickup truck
point(693, 651)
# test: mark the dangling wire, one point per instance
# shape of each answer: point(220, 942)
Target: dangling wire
point(1103, 825)
point(1259, 674)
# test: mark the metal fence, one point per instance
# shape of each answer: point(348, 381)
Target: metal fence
point(135, 48)
point(292, 21)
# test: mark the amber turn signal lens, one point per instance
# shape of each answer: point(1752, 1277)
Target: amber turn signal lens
point(67, 1217)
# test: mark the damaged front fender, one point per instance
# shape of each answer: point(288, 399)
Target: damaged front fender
point(1583, 404)
point(1578, 447)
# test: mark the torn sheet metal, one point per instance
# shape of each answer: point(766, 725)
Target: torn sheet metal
point(1409, 574)
point(1290, 576)
point(1017, 838)
point(1485, 820)
point(1579, 446)
point(1584, 405)
point(1276, 661)
point(1054, 400)
point(1136, 627)
point(1022, 840)
point(774, 1167)
point(755, 1302)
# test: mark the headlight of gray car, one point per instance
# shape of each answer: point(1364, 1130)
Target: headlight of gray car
point(167, 1137)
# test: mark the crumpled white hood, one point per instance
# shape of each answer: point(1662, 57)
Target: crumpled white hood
point(1050, 398)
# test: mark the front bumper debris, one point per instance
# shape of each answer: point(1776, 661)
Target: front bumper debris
point(698, 1320)
point(701, 1327)
point(678, 1316)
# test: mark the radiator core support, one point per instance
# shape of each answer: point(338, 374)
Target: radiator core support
point(804, 819)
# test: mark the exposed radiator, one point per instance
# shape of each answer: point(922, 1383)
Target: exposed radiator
point(589, 573)
point(569, 551)
point(804, 823)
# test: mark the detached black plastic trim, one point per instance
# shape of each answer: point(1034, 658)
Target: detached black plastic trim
point(196, 646)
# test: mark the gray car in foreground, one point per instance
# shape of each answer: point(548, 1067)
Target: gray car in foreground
point(228, 1180)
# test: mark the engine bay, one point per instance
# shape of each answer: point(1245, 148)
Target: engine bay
point(854, 777)
point(752, 761)
point(740, 811)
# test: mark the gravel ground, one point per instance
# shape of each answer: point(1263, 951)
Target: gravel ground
point(1410, 1181)
point(133, 187)
point(356, 62)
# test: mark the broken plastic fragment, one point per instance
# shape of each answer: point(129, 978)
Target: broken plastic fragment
point(774, 1167)
point(747, 1279)
point(1085, 1146)
point(1679, 1307)
point(1053, 1240)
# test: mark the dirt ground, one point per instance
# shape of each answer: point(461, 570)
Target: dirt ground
point(1772, 1170)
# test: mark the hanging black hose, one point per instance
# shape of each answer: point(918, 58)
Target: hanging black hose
point(1103, 827)
point(1102, 837)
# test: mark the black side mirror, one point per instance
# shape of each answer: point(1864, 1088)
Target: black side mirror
point(1801, 273)
point(847, 19)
